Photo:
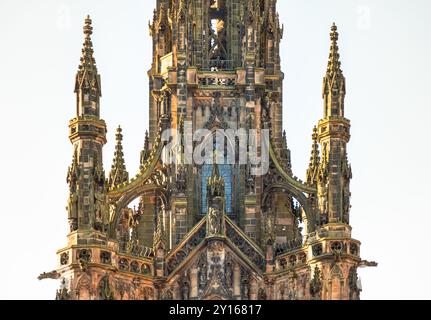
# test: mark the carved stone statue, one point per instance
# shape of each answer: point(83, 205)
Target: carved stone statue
point(185, 291)
point(91, 214)
point(261, 294)
point(269, 228)
point(228, 274)
point(72, 209)
point(245, 285)
point(214, 220)
point(323, 197)
point(203, 271)
point(346, 201)
point(63, 293)
point(181, 182)
point(282, 292)
point(167, 295)
point(105, 292)
point(99, 208)
point(316, 285)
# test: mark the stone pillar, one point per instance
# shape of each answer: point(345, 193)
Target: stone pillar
point(194, 283)
point(253, 289)
point(176, 291)
point(237, 282)
point(269, 258)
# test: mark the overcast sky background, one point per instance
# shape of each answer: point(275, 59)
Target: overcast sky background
point(385, 48)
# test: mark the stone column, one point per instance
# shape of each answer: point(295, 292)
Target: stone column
point(253, 289)
point(237, 282)
point(176, 290)
point(194, 283)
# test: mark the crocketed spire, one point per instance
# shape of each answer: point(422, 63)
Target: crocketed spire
point(334, 64)
point(118, 172)
point(334, 88)
point(313, 167)
point(87, 76)
point(145, 153)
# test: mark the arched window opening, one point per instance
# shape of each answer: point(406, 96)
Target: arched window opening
point(218, 56)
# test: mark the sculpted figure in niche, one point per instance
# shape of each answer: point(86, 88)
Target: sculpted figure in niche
point(215, 219)
point(72, 208)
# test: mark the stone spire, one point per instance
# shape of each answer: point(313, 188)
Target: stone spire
point(118, 173)
point(87, 77)
point(333, 136)
point(87, 133)
point(334, 64)
point(146, 151)
point(313, 167)
point(334, 87)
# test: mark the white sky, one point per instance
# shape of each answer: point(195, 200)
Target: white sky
point(385, 50)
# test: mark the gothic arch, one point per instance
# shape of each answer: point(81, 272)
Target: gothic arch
point(336, 283)
point(133, 194)
point(299, 196)
point(230, 156)
point(83, 288)
point(213, 130)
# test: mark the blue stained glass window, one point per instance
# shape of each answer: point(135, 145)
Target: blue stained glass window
point(226, 172)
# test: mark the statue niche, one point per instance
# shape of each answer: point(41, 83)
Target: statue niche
point(215, 216)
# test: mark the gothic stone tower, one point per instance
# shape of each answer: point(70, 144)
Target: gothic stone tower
point(210, 230)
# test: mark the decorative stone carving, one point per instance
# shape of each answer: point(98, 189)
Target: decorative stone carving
point(184, 284)
point(316, 284)
point(354, 288)
point(228, 271)
point(167, 295)
point(245, 247)
point(84, 255)
point(269, 228)
point(354, 249)
point(245, 285)
point(181, 181)
point(282, 291)
point(105, 257)
point(105, 291)
point(176, 259)
point(147, 293)
point(145, 269)
point(317, 250)
point(73, 178)
point(134, 267)
point(63, 292)
point(123, 264)
point(202, 266)
point(261, 295)
point(292, 288)
point(64, 258)
point(214, 221)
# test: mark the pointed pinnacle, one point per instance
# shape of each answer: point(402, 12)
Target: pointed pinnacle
point(215, 172)
point(88, 29)
point(334, 63)
point(118, 135)
point(334, 33)
point(315, 134)
point(88, 63)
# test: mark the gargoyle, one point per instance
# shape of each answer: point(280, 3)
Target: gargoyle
point(49, 275)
